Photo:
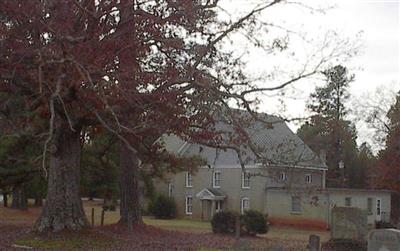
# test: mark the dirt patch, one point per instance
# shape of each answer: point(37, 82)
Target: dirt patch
point(10, 216)
point(9, 234)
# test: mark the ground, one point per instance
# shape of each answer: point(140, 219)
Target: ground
point(154, 235)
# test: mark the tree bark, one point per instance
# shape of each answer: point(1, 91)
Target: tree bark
point(19, 199)
point(5, 199)
point(38, 200)
point(63, 208)
point(130, 211)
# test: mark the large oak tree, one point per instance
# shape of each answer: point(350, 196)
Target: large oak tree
point(137, 68)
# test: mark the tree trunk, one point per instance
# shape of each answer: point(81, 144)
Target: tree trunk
point(19, 199)
point(63, 206)
point(109, 202)
point(5, 199)
point(38, 200)
point(130, 211)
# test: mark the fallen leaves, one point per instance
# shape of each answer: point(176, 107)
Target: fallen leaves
point(143, 237)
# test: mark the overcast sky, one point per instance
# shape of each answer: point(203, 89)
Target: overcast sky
point(374, 23)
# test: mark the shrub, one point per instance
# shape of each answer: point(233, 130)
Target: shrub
point(382, 224)
point(163, 207)
point(344, 245)
point(254, 222)
point(223, 222)
point(251, 223)
point(110, 207)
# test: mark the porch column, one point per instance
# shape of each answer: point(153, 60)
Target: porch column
point(201, 209)
point(212, 208)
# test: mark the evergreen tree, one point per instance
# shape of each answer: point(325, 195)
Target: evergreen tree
point(100, 167)
point(19, 169)
point(20, 152)
point(387, 173)
point(329, 130)
point(365, 161)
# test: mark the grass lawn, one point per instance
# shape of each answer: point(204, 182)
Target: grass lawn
point(180, 225)
point(10, 216)
point(195, 226)
point(184, 227)
point(175, 224)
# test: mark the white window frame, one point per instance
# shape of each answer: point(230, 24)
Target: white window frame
point(214, 180)
point(370, 206)
point(345, 201)
point(242, 205)
point(379, 207)
point(293, 207)
point(170, 189)
point(309, 178)
point(218, 206)
point(282, 176)
point(244, 181)
point(189, 204)
point(189, 179)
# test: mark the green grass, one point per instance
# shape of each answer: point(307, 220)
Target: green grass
point(180, 224)
point(51, 244)
point(69, 243)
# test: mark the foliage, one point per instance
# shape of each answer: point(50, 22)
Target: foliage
point(344, 245)
point(16, 165)
point(100, 166)
point(224, 222)
point(19, 168)
point(383, 225)
point(254, 222)
point(387, 173)
point(163, 207)
point(110, 207)
point(330, 131)
point(329, 99)
point(389, 158)
point(125, 67)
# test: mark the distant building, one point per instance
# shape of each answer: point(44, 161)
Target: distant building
point(288, 183)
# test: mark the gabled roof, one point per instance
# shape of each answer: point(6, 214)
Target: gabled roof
point(210, 194)
point(272, 137)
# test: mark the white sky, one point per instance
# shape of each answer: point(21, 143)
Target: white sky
point(376, 66)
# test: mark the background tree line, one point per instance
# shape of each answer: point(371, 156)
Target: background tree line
point(330, 130)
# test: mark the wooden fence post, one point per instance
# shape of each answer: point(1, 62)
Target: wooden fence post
point(92, 216)
point(102, 217)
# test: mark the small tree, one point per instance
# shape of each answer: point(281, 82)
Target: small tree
point(163, 207)
point(224, 222)
point(254, 222)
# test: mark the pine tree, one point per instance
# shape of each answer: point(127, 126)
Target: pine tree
point(329, 130)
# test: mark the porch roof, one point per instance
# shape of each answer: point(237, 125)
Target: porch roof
point(210, 194)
